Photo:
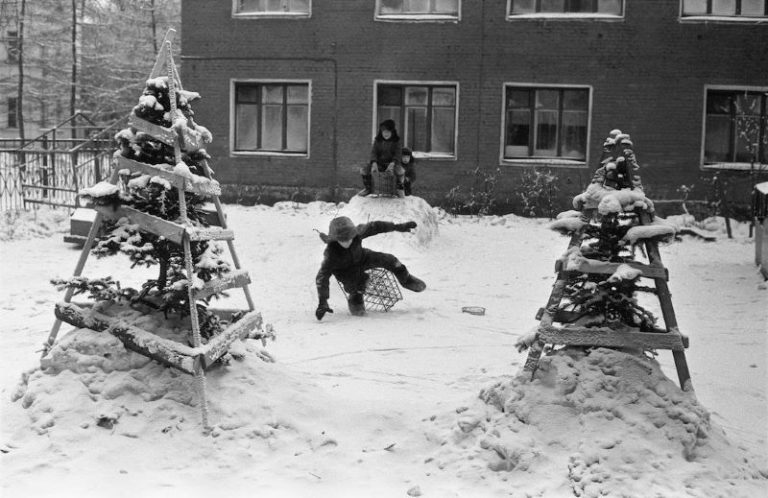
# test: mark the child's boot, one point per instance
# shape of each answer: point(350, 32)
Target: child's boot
point(407, 280)
point(367, 184)
point(414, 284)
point(356, 304)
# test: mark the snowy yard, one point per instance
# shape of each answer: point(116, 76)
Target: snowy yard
point(389, 404)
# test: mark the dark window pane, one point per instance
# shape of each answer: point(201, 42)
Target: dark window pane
point(518, 98)
point(718, 139)
point(718, 103)
point(390, 95)
point(247, 93)
point(552, 6)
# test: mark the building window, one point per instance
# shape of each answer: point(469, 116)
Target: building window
point(725, 8)
point(271, 8)
point(12, 47)
point(271, 117)
point(425, 115)
point(416, 9)
point(13, 112)
point(735, 126)
point(612, 8)
point(546, 123)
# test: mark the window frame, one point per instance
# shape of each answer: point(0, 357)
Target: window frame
point(720, 18)
point(546, 161)
point(566, 16)
point(734, 166)
point(233, 83)
point(401, 130)
point(270, 15)
point(416, 17)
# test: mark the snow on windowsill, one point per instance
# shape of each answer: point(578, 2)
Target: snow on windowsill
point(734, 166)
point(560, 16)
point(417, 18)
point(560, 163)
point(250, 153)
point(723, 19)
point(271, 15)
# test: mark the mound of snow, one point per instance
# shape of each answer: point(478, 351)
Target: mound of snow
point(595, 424)
point(396, 210)
point(21, 225)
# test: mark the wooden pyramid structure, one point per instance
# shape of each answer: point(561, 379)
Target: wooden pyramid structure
point(194, 359)
point(561, 321)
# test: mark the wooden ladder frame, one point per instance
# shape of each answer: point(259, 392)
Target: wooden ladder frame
point(670, 338)
point(192, 360)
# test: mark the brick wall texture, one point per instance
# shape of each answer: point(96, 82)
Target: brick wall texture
point(647, 72)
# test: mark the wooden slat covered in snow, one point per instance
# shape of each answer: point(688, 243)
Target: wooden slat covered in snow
point(237, 278)
point(158, 226)
point(191, 140)
point(586, 265)
point(219, 345)
point(606, 337)
point(199, 185)
point(167, 352)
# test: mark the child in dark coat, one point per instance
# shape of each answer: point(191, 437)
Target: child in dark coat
point(346, 259)
point(409, 167)
point(385, 155)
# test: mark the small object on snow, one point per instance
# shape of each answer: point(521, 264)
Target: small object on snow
point(473, 310)
point(414, 491)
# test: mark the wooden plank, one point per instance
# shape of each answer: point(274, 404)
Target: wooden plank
point(198, 184)
point(594, 266)
point(50, 203)
point(191, 140)
point(234, 279)
point(162, 170)
point(165, 135)
point(219, 345)
point(209, 233)
point(158, 226)
point(600, 336)
point(167, 352)
point(46, 187)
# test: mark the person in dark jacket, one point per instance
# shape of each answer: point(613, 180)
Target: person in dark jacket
point(346, 259)
point(409, 168)
point(385, 155)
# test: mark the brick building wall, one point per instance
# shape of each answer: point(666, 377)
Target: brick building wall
point(647, 72)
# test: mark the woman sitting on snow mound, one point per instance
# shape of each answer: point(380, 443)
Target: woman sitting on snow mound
point(346, 259)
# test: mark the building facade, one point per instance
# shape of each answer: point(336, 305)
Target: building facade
point(482, 90)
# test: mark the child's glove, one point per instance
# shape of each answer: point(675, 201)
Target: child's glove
point(405, 227)
point(322, 309)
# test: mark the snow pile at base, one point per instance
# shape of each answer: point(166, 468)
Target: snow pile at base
point(89, 382)
point(597, 424)
point(42, 223)
point(397, 210)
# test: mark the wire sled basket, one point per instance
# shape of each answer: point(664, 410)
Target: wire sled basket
point(382, 291)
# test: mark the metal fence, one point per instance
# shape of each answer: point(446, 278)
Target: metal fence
point(50, 171)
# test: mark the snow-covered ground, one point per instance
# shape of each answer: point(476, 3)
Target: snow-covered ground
point(421, 401)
